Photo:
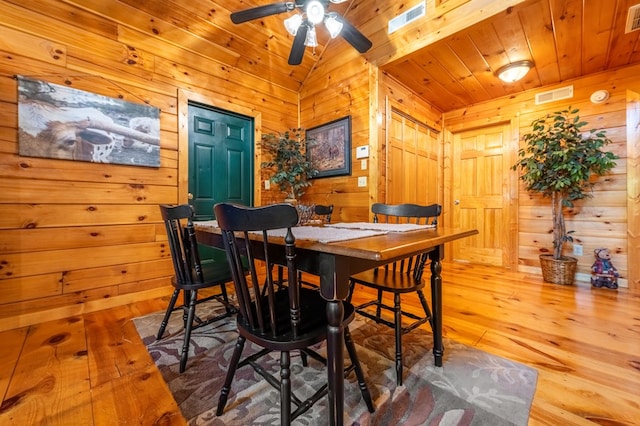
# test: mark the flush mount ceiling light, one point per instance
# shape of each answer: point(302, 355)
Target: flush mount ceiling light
point(515, 71)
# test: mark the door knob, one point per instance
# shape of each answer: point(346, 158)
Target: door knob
point(456, 202)
point(190, 196)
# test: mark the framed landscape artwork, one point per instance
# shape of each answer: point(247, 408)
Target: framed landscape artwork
point(61, 122)
point(331, 149)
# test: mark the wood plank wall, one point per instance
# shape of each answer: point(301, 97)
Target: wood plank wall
point(77, 236)
point(345, 84)
point(80, 236)
point(339, 87)
point(601, 221)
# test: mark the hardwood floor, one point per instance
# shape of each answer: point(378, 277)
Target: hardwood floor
point(585, 343)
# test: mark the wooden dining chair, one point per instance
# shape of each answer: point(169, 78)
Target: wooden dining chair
point(324, 211)
point(276, 318)
point(191, 275)
point(398, 278)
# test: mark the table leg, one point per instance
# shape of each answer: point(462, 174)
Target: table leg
point(436, 302)
point(334, 288)
point(335, 361)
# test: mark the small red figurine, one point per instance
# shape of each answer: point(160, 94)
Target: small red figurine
point(603, 273)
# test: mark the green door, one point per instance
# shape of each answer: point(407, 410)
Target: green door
point(220, 159)
point(220, 164)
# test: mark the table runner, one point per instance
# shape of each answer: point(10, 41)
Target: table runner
point(323, 234)
point(386, 227)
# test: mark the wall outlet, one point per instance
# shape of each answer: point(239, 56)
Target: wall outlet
point(577, 249)
point(362, 181)
point(267, 184)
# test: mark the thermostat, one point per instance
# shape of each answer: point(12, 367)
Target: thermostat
point(362, 151)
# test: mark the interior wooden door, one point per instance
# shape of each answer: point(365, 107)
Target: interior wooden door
point(220, 159)
point(412, 159)
point(480, 194)
point(220, 163)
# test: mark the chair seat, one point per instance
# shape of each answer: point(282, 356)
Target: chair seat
point(388, 280)
point(313, 324)
point(214, 273)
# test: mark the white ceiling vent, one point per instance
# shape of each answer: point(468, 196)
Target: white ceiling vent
point(633, 19)
point(554, 95)
point(407, 17)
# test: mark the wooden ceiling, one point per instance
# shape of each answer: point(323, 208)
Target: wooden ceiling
point(564, 38)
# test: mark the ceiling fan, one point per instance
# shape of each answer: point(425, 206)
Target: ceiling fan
point(302, 25)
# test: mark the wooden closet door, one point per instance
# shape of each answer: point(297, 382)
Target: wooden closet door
point(480, 190)
point(412, 161)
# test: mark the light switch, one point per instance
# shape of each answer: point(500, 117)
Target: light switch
point(363, 164)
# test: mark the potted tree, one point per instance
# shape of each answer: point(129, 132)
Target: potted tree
point(289, 163)
point(559, 161)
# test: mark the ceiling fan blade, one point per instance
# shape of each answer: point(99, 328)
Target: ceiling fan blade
point(261, 11)
point(354, 37)
point(297, 49)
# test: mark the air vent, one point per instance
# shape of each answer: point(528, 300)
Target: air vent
point(554, 95)
point(633, 19)
point(407, 17)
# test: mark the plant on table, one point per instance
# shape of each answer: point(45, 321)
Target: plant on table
point(292, 170)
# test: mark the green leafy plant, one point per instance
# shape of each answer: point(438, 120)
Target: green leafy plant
point(291, 167)
point(559, 162)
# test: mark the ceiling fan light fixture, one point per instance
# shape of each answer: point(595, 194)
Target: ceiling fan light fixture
point(315, 12)
point(334, 26)
point(301, 24)
point(311, 40)
point(515, 71)
point(293, 23)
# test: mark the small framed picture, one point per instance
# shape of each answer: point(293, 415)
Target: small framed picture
point(330, 150)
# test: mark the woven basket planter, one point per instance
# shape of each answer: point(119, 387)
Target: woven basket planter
point(561, 271)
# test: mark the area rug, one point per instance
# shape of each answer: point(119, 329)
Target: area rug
point(472, 388)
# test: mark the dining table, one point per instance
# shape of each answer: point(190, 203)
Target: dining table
point(334, 252)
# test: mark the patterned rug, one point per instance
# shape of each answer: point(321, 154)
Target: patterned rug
point(472, 388)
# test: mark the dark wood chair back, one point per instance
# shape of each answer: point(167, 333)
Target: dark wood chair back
point(191, 275)
point(326, 211)
point(319, 210)
point(277, 310)
point(274, 316)
point(406, 213)
point(178, 221)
